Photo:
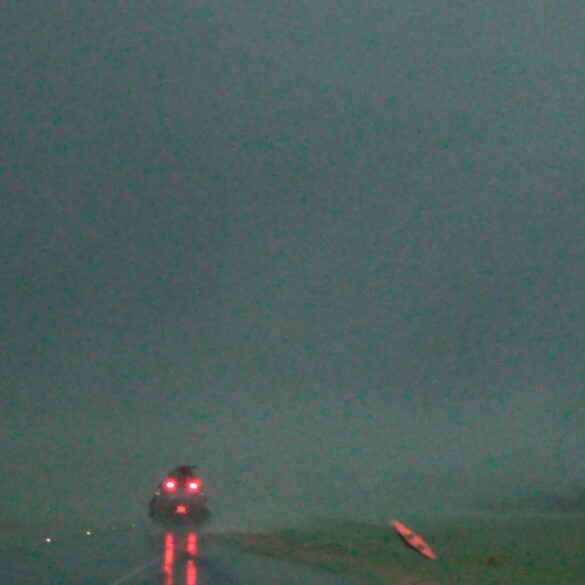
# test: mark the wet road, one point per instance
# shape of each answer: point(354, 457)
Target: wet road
point(136, 556)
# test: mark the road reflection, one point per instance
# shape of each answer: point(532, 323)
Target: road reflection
point(179, 558)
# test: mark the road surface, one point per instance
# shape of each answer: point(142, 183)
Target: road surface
point(140, 556)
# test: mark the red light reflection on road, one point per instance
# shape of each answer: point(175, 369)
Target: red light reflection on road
point(191, 573)
point(192, 543)
point(177, 548)
point(168, 558)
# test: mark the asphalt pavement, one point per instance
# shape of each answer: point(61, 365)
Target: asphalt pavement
point(133, 555)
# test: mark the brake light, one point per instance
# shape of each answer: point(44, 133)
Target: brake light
point(170, 485)
point(193, 485)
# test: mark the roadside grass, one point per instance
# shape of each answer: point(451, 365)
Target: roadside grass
point(486, 550)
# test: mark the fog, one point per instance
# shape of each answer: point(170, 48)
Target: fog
point(331, 252)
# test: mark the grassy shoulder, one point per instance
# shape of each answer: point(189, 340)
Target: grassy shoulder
point(473, 550)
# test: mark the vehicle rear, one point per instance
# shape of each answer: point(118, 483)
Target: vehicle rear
point(180, 498)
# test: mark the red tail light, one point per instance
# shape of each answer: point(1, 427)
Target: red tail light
point(193, 485)
point(170, 485)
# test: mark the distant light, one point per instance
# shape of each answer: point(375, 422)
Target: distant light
point(88, 532)
point(48, 539)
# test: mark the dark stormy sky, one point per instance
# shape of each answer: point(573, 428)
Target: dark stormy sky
point(332, 251)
